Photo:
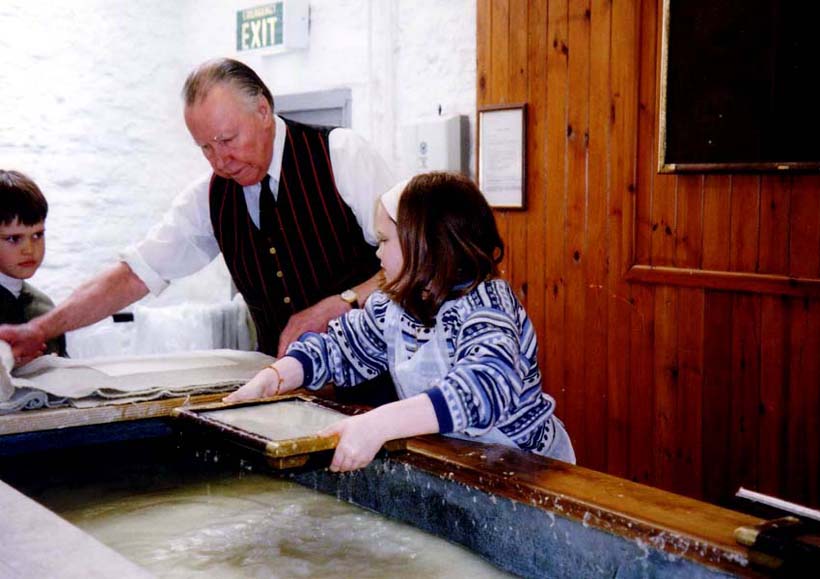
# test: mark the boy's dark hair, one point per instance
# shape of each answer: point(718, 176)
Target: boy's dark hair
point(448, 238)
point(20, 199)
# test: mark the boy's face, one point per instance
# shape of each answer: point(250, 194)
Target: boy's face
point(22, 248)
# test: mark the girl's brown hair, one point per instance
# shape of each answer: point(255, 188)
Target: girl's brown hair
point(449, 242)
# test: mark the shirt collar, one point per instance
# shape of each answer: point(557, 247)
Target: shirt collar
point(14, 285)
point(278, 148)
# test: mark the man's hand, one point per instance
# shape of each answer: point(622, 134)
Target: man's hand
point(313, 319)
point(27, 341)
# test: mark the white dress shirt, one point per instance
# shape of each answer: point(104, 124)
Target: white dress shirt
point(14, 285)
point(184, 242)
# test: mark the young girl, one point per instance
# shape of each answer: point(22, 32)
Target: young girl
point(459, 346)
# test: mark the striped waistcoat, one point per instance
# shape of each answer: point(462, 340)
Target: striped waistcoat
point(311, 248)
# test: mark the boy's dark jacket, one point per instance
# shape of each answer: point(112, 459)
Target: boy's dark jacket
point(31, 304)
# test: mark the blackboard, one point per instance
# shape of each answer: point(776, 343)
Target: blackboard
point(739, 85)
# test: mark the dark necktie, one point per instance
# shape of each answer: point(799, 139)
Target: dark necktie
point(267, 205)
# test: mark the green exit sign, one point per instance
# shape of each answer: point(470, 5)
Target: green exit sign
point(273, 27)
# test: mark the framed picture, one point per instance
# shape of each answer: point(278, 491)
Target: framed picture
point(735, 86)
point(502, 149)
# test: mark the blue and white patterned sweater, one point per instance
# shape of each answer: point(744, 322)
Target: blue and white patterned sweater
point(493, 381)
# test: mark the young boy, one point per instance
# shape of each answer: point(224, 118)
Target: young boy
point(23, 210)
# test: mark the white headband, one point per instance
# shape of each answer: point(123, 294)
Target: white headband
point(390, 199)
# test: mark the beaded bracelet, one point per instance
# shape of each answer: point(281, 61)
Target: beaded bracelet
point(279, 378)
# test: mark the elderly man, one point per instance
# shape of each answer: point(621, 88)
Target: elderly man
point(290, 207)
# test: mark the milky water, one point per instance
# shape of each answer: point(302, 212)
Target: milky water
point(279, 420)
point(258, 526)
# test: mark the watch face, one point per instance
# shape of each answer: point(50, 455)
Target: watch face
point(349, 296)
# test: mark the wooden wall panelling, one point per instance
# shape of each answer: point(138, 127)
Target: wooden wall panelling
point(745, 386)
point(744, 223)
point(554, 362)
point(744, 415)
point(717, 383)
point(716, 214)
point(667, 429)
point(518, 91)
point(689, 221)
point(688, 403)
point(498, 93)
point(642, 323)
point(622, 119)
point(536, 288)
point(773, 402)
point(596, 242)
point(706, 372)
point(773, 258)
point(577, 133)
point(803, 438)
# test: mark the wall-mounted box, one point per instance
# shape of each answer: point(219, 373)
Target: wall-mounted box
point(434, 145)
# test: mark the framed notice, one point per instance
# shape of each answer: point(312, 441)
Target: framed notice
point(502, 148)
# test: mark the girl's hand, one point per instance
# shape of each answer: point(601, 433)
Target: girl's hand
point(262, 385)
point(360, 438)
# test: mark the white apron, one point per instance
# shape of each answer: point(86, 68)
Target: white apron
point(413, 373)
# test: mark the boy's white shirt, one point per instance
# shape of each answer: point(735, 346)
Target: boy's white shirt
point(14, 285)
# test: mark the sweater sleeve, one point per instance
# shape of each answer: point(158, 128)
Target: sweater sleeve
point(353, 349)
point(484, 381)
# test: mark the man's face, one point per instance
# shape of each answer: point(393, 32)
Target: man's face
point(235, 133)
point(22, 248)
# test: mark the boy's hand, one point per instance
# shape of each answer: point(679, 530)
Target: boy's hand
point(26, 340)
point(360, 438)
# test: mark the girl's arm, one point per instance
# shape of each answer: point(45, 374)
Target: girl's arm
point(361, 437)
point(287, 376)
point(353, 350)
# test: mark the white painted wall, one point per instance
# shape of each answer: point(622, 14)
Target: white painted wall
point(90, 105)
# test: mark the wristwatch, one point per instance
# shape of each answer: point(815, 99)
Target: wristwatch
point(350, 297)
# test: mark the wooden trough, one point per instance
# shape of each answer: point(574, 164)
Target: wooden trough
point(531, 516)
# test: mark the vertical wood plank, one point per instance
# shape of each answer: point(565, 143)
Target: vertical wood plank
point(596, 243)
point(716, 220)
point(688, 407)
point(666, 387)
point(537, 176)
point(717, 384)
point(642, 364)
point(775, 203)
point(556, 204)
point(623, 159)
point(483, 52)
point(773, 381)
point(642, 392)
point(647, 172)
point(517, 220)
point(745, 391)
point(745, 223)
point(577, 135)
point(499, 94)
point(689, 221)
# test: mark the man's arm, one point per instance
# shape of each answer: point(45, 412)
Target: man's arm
point(96, 299)
point(316, 317)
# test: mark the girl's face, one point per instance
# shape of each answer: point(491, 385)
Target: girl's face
point(389, 251)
